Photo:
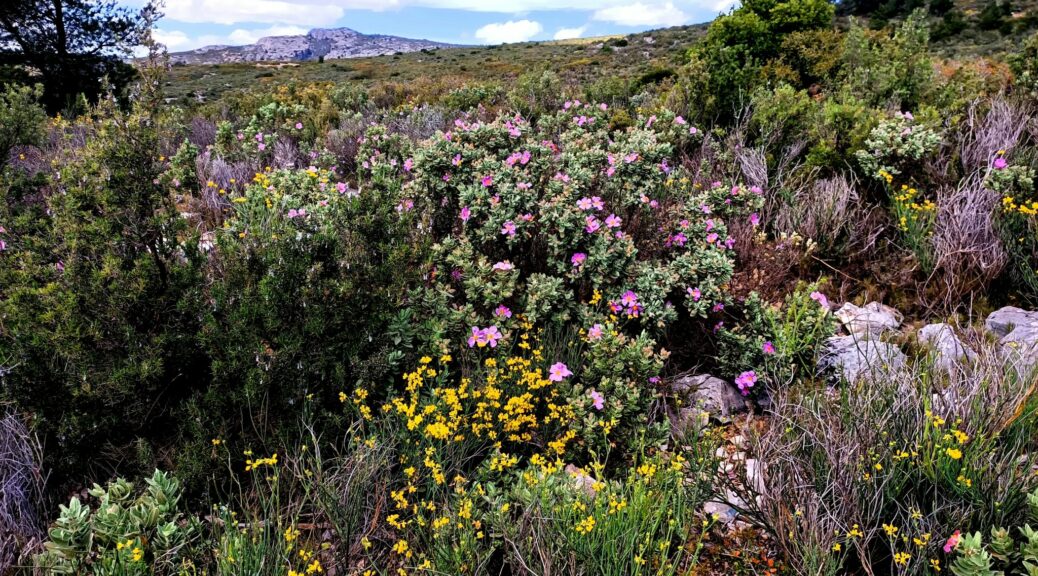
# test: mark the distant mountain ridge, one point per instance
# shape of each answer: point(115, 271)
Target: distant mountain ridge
point(329, 43)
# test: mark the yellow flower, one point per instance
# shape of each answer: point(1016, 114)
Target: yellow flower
point(902, 558)
point(137, 554)
point(836, 547)
point(291, 534)
point(890, 529)
point(954, 453)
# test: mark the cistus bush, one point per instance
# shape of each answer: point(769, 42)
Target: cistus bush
point(571, 227)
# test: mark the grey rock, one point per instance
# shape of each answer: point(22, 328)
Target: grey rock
point(873, 318)
point(1018, 332)
point(711, 395)
point(948, 350)
point(857, 357)
point(724, 513)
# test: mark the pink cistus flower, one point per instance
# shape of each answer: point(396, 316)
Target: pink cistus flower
point(1000, 163)
point(591, 224)
point(558, 372)
point(293, 213)
point(755, 219)
point(504, 266)
point(408, 165)
point(584, 203)
point(299, 125)
point(578, 258)
point(508, 228)
point(502, 311)
point(597, 203)
point(597, 400)
point(456, 161)
point(613, 221)
point(695, 294)
point(768, 348)
point(821, 299)
point(746, 381)
point(488, 181)
point(482, 337)
point(595, 332)
point(953, 542)
point(465, 214)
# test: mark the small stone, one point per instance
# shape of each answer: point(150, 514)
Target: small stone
point(724, 513)
point(855, 357)
point(948, 350)
point(712, 395)
point(873, 318)
point(1018, 332)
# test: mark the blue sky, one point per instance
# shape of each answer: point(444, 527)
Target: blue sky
point(193, 23)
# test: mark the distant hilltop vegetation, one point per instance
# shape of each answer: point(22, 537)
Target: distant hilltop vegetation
point(318, 43)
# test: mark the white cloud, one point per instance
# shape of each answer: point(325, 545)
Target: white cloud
point(265, 11)
point(241, 36)
point(570, 33)
point(507, 32)
point(173, 39)
point(639, 14)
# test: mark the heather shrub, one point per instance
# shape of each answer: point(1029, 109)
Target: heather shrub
point(22, 119)
point(100, 316)
point(305, 276)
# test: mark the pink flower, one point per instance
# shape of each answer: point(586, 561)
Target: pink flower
point(592, 224)
point(709, 224)
point(488, 181)
point(595, 333)
point(1000, 163)
point(693, 130)
point(456, 161)
point(408, 165)
point(597, 203)
point(60, 266)
point(261, 146)
point(465, 214)
point(952, 542)
point(524, 185)
point(679, 121)
point(504, 266)
point(630, 158)
point(447, 177)
point(293, 213)
point(821, 299)
point(502, 311)
point(558, 372)
point(299, 125)
point(711, 237)
point(508, 228)
point(755, 219)
point(477, 338)
point(492, 335)
point(613, 221)
point(597, 400)
point(578, 258)
point(3, 245)
point(745, 381)
point(768, 348)
point(695, 294)
point(705, 208)
point(629, 298)
point(584, 203)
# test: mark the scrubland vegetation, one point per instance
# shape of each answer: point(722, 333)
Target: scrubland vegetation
point(755, 304)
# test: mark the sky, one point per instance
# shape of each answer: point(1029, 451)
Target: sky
point(190, 24)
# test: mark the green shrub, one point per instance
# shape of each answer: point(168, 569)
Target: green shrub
point(129, 532)
point(101, 317)
point(22, 119)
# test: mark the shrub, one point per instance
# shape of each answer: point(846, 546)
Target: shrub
point(306, 275)
point(22, 119)
point(100, 316)
point(882, 471)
